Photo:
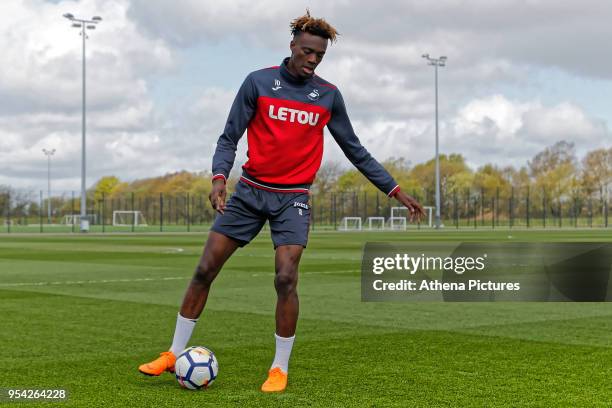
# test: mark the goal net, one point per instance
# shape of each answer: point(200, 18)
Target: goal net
point(350, 224)
point(75, 219)
point(397, 223)
point(376, 223)
point(128, 219)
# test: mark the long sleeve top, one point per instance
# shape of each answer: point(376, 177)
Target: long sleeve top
point(284, 117)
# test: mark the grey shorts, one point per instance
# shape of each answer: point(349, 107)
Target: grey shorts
point(249, 208)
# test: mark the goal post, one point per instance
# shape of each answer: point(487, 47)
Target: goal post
point(429, 216)
point(350, 224)
point(397, 213)
point(397, 223)
point(71, 219)
point(128, 219)
point(376, 223)
point(75, 219)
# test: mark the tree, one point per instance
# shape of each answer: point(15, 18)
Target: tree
point(553, 170)
point(33, 209)
point(597, 172)
point(520, 178)
point(105, 187)
point(201, 185)
point(15, 202)
point(352, 180)
point(559, 154)
point(489, 179)
point(5, 196)
point(327, 178)
point(455, 175)
point(398, 168)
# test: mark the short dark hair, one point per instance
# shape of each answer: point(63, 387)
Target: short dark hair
point(314, 26)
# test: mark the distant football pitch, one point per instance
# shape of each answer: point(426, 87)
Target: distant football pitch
point(80, 313)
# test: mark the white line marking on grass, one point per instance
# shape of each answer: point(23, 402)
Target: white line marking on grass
point(336, 258)
point(85, 282)
point(173, 251)
point(167, 278)
point(254, 275)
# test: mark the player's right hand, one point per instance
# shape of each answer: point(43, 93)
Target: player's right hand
point(417, 213)
point(217, 195)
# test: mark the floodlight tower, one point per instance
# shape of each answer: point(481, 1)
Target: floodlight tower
point(436, 62)
point(48, 153)
point(83, 25)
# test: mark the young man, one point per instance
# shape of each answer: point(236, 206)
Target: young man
point(285, 109)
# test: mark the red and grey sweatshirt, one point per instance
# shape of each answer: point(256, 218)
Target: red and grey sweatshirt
point(284, 117)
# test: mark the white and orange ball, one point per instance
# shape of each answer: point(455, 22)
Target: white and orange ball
point(196, 368)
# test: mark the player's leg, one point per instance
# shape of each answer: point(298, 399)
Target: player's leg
point(239, 224)
point(216, 252)
point(287, 311)
point(285, 282)
point(289, 226)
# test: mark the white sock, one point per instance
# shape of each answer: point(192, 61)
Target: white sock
point(182, 334)
point(283, 352)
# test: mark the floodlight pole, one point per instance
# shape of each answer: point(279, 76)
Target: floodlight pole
point(48, 153)
point(84, 25)
point(84, 221)
point(437, 62)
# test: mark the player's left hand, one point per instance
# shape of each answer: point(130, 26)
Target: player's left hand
point(414, 207)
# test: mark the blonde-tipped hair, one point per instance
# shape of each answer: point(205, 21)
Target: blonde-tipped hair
point(314, 26)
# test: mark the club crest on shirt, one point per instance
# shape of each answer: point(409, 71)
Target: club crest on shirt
point(314, 95)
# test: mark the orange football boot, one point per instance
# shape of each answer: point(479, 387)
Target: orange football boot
point(165, 362)
point(276, 382)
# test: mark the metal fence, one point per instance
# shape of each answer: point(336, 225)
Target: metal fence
point(525, 207)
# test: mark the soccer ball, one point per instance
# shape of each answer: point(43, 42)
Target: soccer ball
point(196, 368)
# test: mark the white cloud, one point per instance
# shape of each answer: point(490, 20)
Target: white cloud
point(489, 130)
point(492, 46)
point(543, 33)
point(503, 131)
point(479, 116)
point(565, 121)
point(40, 87)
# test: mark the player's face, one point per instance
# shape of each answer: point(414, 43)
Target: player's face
point(307, 52)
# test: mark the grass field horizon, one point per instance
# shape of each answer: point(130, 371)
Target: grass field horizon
point(80, 312)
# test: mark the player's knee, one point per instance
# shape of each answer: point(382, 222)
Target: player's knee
point(205, 273)
point(285, 281)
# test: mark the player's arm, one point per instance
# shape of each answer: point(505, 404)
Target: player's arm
point(239, 117)
point(341, 129)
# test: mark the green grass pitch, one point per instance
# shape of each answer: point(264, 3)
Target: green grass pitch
point(82, 312)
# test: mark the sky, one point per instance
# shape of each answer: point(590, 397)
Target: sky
point(161, 77)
